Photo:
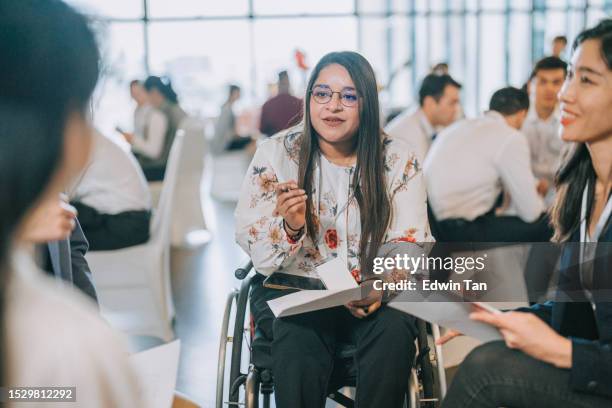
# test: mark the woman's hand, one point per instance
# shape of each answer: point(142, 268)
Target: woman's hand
point(291, 205)
point(528, 333)
point(366, 306)
point(52, 220)
point(448, 336)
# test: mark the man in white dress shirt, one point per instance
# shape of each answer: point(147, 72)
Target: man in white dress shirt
point(438, 106)
point(112, 198)
point(472, 163)
point(542, 124)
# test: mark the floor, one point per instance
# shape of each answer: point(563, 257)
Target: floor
point(202, 278)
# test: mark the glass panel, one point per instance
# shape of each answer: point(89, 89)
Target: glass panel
point(109, 8)
point(399, 92)
point(595, 15)
point(491, 58)
point(423, 41)
point(421, 5)
point(468, 92)
point(122, 50)
point(437, 5)
point(494, 4)
point(456, 5)
point(556, 24)
point(556, 3)
point(439, 47)
point(520, 59)
point(303, 7)
point(401, 6)
point(521, 4)
point(374, 46)
point(200, 70)
point(190, 8)
point(315, 37)
point(456, 55)
point(372, 6)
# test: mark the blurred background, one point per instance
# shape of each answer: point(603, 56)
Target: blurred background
point(203, 45)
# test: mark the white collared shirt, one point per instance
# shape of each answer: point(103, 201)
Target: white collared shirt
point(414, 128)
point(545, 144)
point(472, 161)
point(150, 125)
point(113, 181)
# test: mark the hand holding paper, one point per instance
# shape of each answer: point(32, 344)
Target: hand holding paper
point(341, 289)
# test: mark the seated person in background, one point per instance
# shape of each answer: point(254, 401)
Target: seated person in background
point(290, 221)
point(152, 154)
point(281, 111)
point(472, 162)
point(226, 136)
point(51, 334)
point(438, 107)
point(541, 127)
point(60, 243)
point(559, 43)
point(150, 124)
point(112, 198)
point(559, 354)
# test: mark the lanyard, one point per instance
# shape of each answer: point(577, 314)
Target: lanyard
point(603, 218)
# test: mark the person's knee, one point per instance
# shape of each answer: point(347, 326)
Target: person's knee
point(395, 325)
point(294, 338)
point(492, 356)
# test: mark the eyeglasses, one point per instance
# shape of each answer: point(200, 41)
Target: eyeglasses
point(323, 94)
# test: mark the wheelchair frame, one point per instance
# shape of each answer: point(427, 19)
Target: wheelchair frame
point(424, 384)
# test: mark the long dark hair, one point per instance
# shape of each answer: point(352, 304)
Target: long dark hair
point(577, 170)
point(164, 86)
point(369, 181)
point(49, 70)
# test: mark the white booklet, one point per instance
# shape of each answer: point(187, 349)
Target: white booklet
point(341, 289)
point(156, 370)
point(444, 311)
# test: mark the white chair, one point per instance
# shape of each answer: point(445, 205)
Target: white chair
point(133, 284)
point(188, 224)
point(228, 171)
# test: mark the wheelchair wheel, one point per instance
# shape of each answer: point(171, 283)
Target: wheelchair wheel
point(414, 392)
point(223, 342)
point(236, 337)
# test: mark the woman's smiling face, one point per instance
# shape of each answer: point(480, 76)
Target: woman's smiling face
point(334, 121)
point(586, 96)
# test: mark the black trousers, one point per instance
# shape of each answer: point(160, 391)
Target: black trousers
point(303, 348)
point(493, 375)
point(152, 172)
point(492, 228)
point(113, 231)
point(238, 143)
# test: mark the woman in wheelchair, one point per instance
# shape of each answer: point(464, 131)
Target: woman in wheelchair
point(559, 354)
point(334, 186)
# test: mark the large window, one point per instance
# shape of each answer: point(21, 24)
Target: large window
point(204, 45)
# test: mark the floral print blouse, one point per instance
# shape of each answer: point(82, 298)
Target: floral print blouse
point(262, 236)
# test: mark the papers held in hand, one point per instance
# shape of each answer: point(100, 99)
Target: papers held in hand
point(341, 289)
point(447, 310)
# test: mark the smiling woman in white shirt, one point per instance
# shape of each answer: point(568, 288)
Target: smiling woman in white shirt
point(334, 186)
point(51, 335)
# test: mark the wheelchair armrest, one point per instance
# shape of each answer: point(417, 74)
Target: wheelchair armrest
point(242, 272)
